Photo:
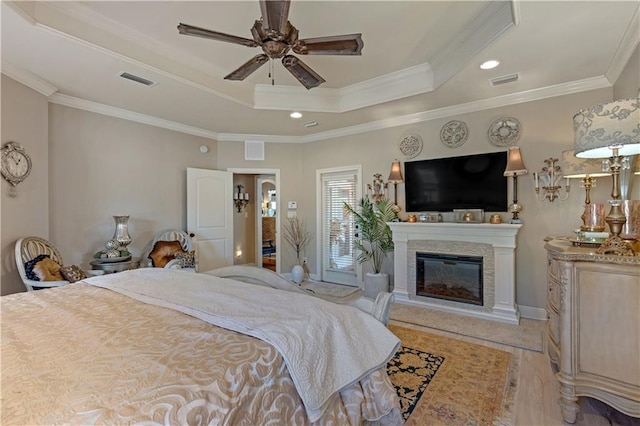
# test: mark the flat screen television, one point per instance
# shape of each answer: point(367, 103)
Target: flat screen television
point(465, 182)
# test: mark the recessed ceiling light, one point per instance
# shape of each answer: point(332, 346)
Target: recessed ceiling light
point(295, 114)
point(489, 64)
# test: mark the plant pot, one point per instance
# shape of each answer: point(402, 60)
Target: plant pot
point(375, 283)
point(297, 274)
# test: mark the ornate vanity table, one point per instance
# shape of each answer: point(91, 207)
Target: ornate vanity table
point(593, 328)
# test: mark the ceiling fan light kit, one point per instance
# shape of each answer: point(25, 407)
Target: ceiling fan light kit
point(277, 36)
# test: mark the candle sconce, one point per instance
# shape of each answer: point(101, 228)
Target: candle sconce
point(377, 190)
point(547, 182)
point(240, 199)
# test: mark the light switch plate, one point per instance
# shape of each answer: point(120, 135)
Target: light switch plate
point(292, 204)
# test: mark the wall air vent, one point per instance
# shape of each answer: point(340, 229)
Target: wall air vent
point(137, 79)
point(504, 79)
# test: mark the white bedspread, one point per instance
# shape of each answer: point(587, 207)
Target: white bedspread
point(326, 346)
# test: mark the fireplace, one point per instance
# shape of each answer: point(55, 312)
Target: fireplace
point(493, 243)
point(449, 277)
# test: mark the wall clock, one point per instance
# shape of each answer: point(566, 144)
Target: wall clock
point(15, 163)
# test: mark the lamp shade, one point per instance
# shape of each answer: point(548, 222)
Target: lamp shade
point(612, 125)
point(395, 176)
point(574, 167)
point(515, 165)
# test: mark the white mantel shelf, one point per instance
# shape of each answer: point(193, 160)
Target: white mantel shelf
point(502, 237)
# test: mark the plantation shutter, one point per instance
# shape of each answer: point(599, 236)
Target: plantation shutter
point(339, 255)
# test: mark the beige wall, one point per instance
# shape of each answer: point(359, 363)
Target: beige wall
point(99, 166)
point(24, 120)
point(546, 132)
point(102, 166)
point(284, 157)
point(628, 84)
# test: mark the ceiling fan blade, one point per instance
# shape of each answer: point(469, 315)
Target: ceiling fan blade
point(275, 15)
point(248, 67)
point(348, 44)
point(214, 35)
point(305, 75)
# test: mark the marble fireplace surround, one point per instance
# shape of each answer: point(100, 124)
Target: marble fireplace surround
point(496, 243)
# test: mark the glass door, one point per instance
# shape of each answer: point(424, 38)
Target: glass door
point(338, 254)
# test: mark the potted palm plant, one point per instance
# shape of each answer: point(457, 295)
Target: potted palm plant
point(374, 240)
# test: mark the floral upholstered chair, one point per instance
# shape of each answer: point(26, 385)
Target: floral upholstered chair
point(40, 265)
point(171, 248)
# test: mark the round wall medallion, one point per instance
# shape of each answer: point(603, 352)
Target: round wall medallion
point(454, 133)
point(410, 146)
point(504, 131)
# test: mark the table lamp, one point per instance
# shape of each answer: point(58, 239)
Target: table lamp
point(610, 130)
point(395, 177)
point(515, 167)
point(586, 169)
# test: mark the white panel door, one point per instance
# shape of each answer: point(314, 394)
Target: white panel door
point(210, 216)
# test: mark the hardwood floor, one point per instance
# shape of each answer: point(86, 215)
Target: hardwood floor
point(537, 395)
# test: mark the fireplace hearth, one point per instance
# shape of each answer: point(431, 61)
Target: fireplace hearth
point(449, 277)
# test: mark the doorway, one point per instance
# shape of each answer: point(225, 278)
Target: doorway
point(338, 257)
point(262, 211)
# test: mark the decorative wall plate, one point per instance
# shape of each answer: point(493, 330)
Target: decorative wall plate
point(454, 133)
point(504, 131)
point(410, 146)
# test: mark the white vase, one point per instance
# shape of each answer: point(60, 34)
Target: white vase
point(375, 283)
point(297, 273)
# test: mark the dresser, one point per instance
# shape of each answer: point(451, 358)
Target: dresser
point(593, 327)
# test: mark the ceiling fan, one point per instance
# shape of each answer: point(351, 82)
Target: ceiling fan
point(275, 34)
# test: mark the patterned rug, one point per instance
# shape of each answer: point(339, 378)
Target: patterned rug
point(443, 381)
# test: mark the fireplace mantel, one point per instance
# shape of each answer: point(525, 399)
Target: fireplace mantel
point(502, 238)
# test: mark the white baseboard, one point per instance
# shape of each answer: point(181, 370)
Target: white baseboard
point(530, 312)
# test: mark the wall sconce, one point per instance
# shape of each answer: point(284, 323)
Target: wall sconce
point(395, 177)
point(378, 190)
point(240, 199)
point(515, 167)
point(548, 179)
point(611, 130)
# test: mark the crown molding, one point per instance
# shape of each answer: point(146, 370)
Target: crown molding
point(390, 87)
point(124, 114)
point(455, 110)
point(487, 26)
point(630, 40)
point(449, 111)
point(28, 79)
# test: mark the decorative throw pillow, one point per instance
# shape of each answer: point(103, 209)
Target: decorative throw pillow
point(72, 273)
point(163, 252)
point(186, 259)
point(43, 268)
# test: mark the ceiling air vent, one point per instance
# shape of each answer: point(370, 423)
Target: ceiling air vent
point(137, 79)
point(504, 79)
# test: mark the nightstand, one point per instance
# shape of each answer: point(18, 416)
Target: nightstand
point(113, 267)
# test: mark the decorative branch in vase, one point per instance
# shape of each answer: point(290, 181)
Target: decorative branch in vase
point(295, 233)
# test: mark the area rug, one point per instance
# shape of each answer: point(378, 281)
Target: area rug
point(527, 335)
point(444, 381)
point(328, 289)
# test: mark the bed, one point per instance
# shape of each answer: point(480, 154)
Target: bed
point(234, 346)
